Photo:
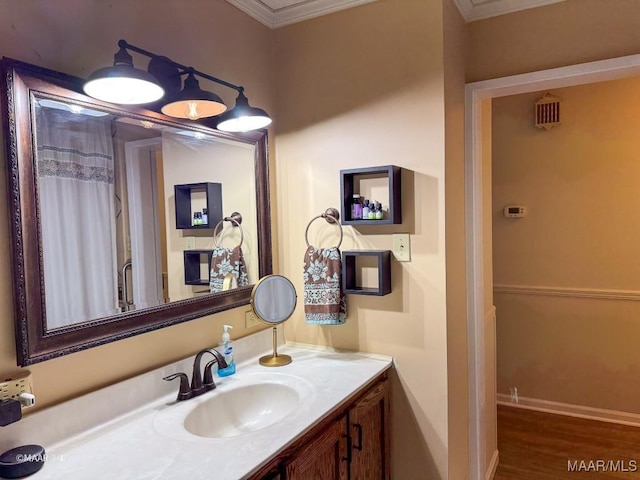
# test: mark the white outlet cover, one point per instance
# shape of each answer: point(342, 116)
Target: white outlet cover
point(402, 247)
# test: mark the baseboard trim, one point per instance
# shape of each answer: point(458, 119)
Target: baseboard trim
point(590, 413)
point(493, 466)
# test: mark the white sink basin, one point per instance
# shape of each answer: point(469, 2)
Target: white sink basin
point(240, 405)
point(242, 410)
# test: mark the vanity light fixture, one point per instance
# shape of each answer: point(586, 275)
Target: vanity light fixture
point(122, 83)
point(243, 117)
point(193, 102)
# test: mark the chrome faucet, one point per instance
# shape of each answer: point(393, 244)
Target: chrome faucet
point(198, 386)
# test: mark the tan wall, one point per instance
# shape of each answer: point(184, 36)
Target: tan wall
point(454, 48)
point(570, 32)
point(78, 36)
point(579, 182)
point(359, 88)
point(231, 165)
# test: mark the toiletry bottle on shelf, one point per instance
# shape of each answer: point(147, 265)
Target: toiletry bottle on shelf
point(356, 207)
point(378, 211)
point(226, 349)
point(366, 210)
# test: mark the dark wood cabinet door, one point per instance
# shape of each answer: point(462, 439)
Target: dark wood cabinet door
point(272, 475)
point(324, 457)
point(369, 430)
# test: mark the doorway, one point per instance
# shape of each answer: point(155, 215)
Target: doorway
point(483, 457)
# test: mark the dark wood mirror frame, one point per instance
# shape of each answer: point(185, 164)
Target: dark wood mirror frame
point(33, 342)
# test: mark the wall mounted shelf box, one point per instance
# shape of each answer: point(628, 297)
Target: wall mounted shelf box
point(193, 260)
point(184, 204)
point(350, 270)
point(355, 180)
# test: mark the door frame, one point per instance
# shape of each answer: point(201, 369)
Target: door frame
point(144, 243)
point(475, 93)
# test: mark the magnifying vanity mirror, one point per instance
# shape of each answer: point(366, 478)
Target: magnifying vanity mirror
point(273, 300)
point(98, 196)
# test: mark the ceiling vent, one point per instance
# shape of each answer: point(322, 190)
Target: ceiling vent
point(548, 112)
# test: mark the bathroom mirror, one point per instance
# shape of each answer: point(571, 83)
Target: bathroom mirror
point(273, 300)
point(96, 193)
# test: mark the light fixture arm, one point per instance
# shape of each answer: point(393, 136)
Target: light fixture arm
point(183, 68)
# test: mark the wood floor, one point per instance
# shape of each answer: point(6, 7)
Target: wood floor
point(542, 446)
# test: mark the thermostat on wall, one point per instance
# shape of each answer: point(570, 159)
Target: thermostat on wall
point(515, 211)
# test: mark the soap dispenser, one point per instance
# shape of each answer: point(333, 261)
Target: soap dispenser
point(226, 349)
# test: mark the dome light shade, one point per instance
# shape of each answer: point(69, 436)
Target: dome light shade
point(243, 117)
point(122, 83)
point(193, 102)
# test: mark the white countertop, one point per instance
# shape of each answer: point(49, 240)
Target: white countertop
point(139, 445)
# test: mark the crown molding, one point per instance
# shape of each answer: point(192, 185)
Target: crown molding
point(473, 10)
point(297, 12)
point(300, 10)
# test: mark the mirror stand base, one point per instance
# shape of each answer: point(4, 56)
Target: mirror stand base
point(275, 360)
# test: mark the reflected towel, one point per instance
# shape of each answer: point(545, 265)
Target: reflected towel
point(224, 262)
point(324, 300)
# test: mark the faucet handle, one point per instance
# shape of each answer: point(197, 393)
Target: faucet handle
point(185, 392)
point(208, 375)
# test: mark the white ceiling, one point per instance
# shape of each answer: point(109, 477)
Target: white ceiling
point(478, 9)
point(276, 13)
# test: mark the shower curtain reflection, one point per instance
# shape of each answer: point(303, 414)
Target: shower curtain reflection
point(76, 197)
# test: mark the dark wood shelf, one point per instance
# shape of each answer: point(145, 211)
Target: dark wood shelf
point(192, 265)
point(349, 185)
point(384, 221)
point(184, 210)
point(350, 268)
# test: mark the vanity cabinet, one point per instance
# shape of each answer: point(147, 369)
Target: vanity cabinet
point(369, 431)
point(323, 458)
point(350, 443)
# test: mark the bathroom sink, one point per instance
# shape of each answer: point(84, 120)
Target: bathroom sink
point(242, 410)
point(240, 405)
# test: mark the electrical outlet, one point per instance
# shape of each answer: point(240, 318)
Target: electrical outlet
point(12, 387)
point(250, 319)
point(189, 243)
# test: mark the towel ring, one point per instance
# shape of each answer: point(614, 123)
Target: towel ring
point(331, 215)
point(235, 219)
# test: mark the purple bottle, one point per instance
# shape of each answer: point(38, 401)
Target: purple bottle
point(356, 207)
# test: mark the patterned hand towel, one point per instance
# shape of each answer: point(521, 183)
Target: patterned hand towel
point(227, 261)
point(324, 301)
